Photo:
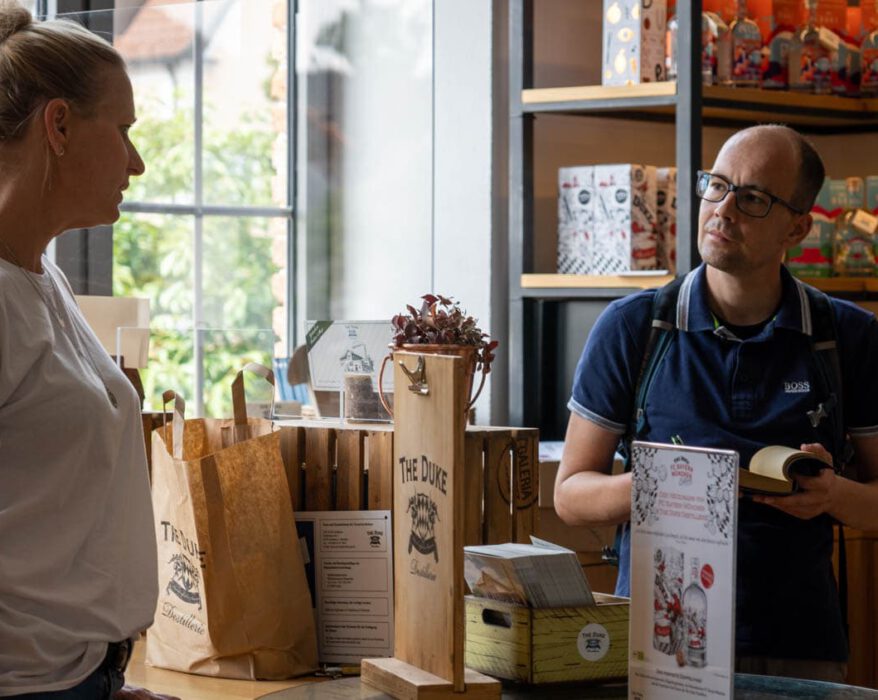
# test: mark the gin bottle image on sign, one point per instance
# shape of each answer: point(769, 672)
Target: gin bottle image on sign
point(695, 620)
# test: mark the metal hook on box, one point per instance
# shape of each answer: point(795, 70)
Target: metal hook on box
point(418, 378)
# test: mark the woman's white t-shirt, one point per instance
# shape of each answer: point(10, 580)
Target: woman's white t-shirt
point(77, 536)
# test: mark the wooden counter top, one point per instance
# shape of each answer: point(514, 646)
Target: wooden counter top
point(188, 686)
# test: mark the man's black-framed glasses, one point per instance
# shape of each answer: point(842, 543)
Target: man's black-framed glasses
point(749, 200)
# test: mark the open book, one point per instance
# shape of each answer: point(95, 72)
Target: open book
point(772, 470)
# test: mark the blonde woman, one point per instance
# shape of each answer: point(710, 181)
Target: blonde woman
point(77, 540)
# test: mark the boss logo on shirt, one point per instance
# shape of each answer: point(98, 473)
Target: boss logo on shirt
point(796, 387)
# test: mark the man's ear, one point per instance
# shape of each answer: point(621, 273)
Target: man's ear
point(56, 120)
point(800, 229)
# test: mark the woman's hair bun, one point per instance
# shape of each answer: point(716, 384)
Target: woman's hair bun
point(13, 18)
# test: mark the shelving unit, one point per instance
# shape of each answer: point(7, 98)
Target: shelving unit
point(539, 315)
point(720, 105)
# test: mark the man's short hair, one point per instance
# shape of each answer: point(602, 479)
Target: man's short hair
point(811, 170)
point(811, 174)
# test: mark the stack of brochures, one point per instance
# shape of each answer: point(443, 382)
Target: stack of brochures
point(538, 575)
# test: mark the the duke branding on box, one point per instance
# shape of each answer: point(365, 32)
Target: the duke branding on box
point(634, 41)
point(625, 219)
point(576, 207)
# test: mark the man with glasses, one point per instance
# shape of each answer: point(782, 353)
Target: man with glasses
point(739, 374)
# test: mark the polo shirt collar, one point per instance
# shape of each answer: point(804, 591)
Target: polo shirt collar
point(693, 312)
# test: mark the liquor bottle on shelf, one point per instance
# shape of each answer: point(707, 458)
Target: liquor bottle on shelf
point(813, 57)
point(869, 58)
point(746, 50)
point(716, 50)
point(695, 620)
point(775, 70)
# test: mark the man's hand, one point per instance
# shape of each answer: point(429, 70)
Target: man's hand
point(816, 495)
point(129, 692)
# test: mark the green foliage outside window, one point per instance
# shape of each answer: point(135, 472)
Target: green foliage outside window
point(153, 254)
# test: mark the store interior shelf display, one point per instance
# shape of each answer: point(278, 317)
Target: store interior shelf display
point(720, 105)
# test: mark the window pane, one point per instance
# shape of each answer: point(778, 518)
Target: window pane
point(225, 353)
point(157, 44)
point(175, 355)
point(153, 258)
point(364, 144)
point(245, 114)
point(245, 274)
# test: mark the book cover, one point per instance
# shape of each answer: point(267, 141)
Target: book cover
point(683, 527)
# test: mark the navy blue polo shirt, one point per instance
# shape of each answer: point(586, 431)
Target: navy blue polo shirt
point(715, 390)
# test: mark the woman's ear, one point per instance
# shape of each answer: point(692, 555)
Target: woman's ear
point(56, 119)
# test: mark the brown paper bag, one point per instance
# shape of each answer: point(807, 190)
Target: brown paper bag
point(233, 599)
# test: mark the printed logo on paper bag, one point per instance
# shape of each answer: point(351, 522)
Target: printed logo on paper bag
point(184, 579)
point(184, 583)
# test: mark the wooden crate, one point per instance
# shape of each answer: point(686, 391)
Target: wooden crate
point(333, 465)
point(549, 645)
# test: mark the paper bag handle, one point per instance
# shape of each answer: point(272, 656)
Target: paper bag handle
point(239, 401)
point(176, 421)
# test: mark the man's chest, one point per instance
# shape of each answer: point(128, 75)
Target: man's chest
point(718, 392)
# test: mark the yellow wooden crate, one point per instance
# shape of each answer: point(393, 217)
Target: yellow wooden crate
point(549, 645)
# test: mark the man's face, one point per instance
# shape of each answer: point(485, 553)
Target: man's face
point(737, 243)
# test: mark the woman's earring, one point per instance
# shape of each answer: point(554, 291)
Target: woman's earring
point(60, 151)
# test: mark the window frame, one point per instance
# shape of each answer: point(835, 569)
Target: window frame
point(86, 255)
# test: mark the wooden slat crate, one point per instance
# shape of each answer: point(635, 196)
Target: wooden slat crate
point(343, 466)
point(549, 645)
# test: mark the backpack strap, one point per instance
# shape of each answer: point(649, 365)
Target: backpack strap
point(661, 331)
point(824, 344)
point(830, 391)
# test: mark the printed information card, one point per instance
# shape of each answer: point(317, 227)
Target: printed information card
point(684, 509)
point(349, 566)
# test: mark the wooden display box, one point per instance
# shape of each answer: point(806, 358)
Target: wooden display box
point(549, 645)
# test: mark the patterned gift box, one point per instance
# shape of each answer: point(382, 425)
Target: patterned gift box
point(633, 41)
point(625, 219)
point(666, 219)
point(576, 208)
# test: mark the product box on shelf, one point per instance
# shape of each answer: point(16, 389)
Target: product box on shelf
point(871, 200)
point(576, 209)
point(625, 219)
point(633, 42)
point(855, 234)
point(666, 219)
point(813, 256)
